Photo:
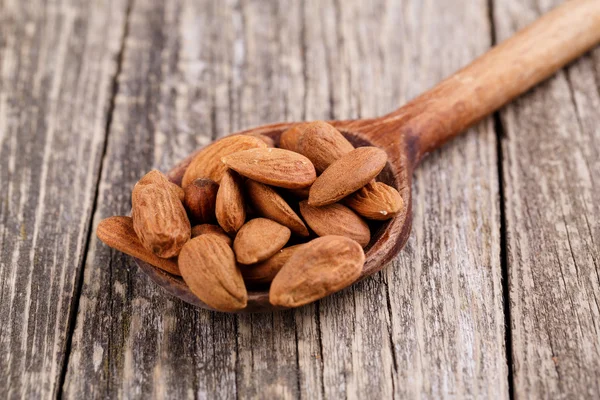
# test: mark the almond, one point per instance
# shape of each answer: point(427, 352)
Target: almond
point(152, 177)
point(230, 207)
point(156, 176)
point(208, 267)
point(271, 205)
point(336, 219)
point(346, 175)
point(259, 239)
point(208, 229)
point(118, 233)
point(376, 201)
point(322, 267)
point(159, 219)
point(207, 163)
point(178, 190)
point(200, 199)
point(267, 139)
point(275, 167)
point(265, 271)
point(289, 138)
point(322, 144)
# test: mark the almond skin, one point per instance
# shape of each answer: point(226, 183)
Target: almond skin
point(336, 219)
point(208, 267)
point(159, 219)
point(156, 176)
point(230, 207)
point(275, 167)
point(259, 239)
point(268, 203)
point(178, 190)
point(208, 229)
point(267, 139)
point(200, 200)
point(265, 271)
point(376, 201)
point(322, 144)
point(322, 267)
point(346, 175)
point(207, 164)
point(118, 233)
point(289, 138)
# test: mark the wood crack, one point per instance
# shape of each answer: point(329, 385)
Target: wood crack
point(394, 371)
point(500, 132)
point(320, 341)
point(571, 247)
point(298, 369)
point(74, 307)
point(237, 355)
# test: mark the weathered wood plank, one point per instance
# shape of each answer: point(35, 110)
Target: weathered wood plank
point(551, 160)
point(431, 324)
point(57, 64)
point(131, 339)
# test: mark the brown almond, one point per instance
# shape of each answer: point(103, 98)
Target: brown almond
point(289, 138)
point(275, 167)
point(156, 176)
point(208, 229)
point(265, 271)
point(118, 233)
point(159, 219)
point(153, 177)
point(322, 144)
point(346, 175)
point(230, 207)
point(322, 267)
point(259, 239)
point(178, 190)
point(376, 201)
point(200, 200)
point(268, 203)
point(207, 163)
point(267, 139)
point(336, 219)
point(208, 267)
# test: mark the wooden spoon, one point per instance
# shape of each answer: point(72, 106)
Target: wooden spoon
point(438, 115)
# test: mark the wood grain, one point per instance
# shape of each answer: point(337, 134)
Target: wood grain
point(442, 295)
point(511, 68)
point(131, 340)
point(57, 65)
point(551, 164)
point(430, 324)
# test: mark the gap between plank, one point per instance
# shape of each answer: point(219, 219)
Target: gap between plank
point(79, 278)
point(499, 131)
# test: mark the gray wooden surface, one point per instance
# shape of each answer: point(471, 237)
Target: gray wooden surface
point(550, 163)
point(494, 296)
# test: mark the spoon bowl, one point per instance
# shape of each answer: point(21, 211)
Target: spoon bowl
point(436, 116)
point(387, 239)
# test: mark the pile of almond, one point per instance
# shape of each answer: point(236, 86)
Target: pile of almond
point(248, 214)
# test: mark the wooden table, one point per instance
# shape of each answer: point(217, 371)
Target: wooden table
point(496, 294)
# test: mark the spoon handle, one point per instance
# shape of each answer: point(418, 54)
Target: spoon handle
point(500, 75)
